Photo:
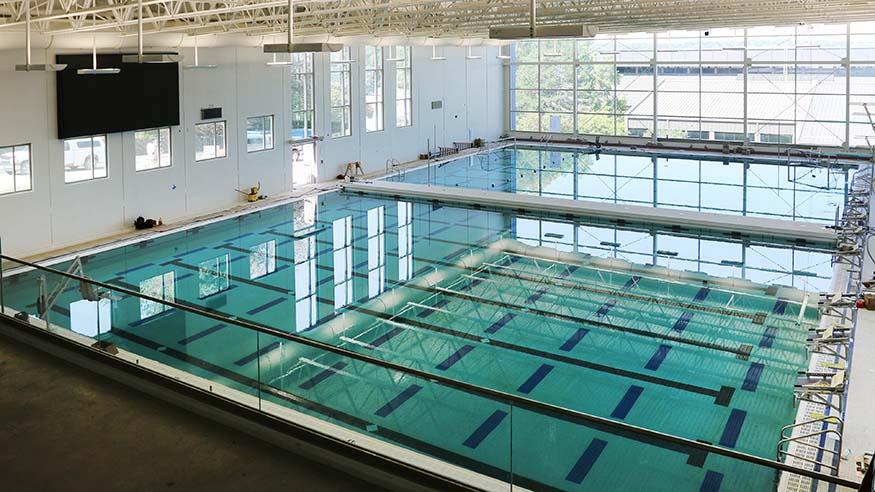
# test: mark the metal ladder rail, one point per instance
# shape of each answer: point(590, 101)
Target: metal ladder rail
point(787, 439)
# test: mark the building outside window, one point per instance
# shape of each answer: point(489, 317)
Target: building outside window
point(374, 88)
point(152, 149)
point(341, 98)
point(259, 133)
point(210, 141)
point(15, 173)
point(84, 159)
point(403, 86)
point(302, 107)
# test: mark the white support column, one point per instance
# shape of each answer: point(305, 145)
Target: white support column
point(654, 137)
point(847, 64)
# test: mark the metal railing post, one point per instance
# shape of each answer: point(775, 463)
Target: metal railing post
point(2, 303)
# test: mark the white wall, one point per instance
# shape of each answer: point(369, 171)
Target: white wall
point(55, 214)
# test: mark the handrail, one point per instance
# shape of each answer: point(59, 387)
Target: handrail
point(484, 392)
point(787, 439)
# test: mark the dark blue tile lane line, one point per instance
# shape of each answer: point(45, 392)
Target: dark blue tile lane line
point(426, 312)
point(267, 305)
point(683, 321)
point(199, 335)
point(573, 340)
point(780, 306)
point(606, 308)
point(570, 270)
point(322, 376)
point(191, 251)
point(712, 482)
point(752, 378)
point(399, 400)
point(632, 282)
point(536, 295)
point(500, 323)
point(657, 358)
point(385, 337)
point(134, 269)
point(536, 377)
point(586, 461)
point(702, 294)
point(263, 350)
point(485, 429)
point(733, 428)
point(456, 357)
point(241, 236)
point(184, 276)
point(768, 337)
point(627, 402)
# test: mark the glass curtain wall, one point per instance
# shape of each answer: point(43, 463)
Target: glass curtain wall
point(807, 85)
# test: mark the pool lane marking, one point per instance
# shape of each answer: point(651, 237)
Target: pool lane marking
point(627, 402)
point(682, 322)
point(323, 375)
point(657, 358)
point(429, 310)
point(742, 352)
point(632, 282)
point(752, 378)
point(486, 428)
point(780, 307)
point(733, 428)
point(258, 353)
point(241, 236)
point(455, 357)
point(586, 461)
point(536, 295)
point(201, 334)
point(134, 269)
point(769, 337)
point(702, 294)
point(341, 416)
point(266, 305)
point(535, 379)
point(189, 252)
point(573, 340)
point(605, 308)
point(399, 400)
point(711, 482)
point(718, 395)
point(494, 327)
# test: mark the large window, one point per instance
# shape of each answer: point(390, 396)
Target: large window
point(152, 149)
point(789, 85)
point(84, 158)
point(403, 86)
point(341, 98)
point(303, 110)
point(259, 133)
point(210, 141)
point(373, 88)
point(15, 169)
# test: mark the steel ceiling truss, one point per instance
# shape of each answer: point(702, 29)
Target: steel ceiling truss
point(416, 18)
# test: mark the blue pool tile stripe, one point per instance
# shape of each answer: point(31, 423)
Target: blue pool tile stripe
point(399, 400)
point(266, 305)
point(426, 312)
point(134, 269)
point(494, 327)
point(536, 377)
point(263, 350)
point(606, 307)
point(657, 358)
point(570, 270)
point(586, 461)
point(184, 276)
point(385, 337)
point(752, 379)
point(485, 429)
point(769, 337)
point(780, 306)
point(712, 482)
point(627, 402)
point(536, 295)
point(733, 428)
point(683, 321)
point(632, 282)
point(191, 251)
point(241, 236)
point(456, 357)
point(201, 334)
point(702, 294)
point(573, 340)
point(323, 375)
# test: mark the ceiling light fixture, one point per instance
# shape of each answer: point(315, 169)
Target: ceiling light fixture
point(197, 65)
point(94, 70)
point(29, 66)
point(291, 47)
point(140, 57)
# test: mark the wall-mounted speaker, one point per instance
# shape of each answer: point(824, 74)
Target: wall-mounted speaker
point(211, 113)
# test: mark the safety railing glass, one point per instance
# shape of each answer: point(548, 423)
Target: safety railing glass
point(489, 439)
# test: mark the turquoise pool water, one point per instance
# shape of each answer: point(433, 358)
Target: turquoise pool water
point(454, 291)
point(734, 185)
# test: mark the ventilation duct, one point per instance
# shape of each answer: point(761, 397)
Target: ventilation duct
point(292, 47)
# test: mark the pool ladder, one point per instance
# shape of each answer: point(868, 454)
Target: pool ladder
point(832, 424)
point(393, 164)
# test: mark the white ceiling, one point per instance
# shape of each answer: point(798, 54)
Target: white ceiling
point(252, 22)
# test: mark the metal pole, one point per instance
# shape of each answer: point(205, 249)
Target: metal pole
point(532, 11)
point(27, 31)
point(140, 29)
point(2, 304)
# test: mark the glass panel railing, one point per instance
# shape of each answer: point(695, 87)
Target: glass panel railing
point(481, 436)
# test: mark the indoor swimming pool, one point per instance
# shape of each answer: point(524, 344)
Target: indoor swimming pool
point(781, 188)
point(694, 335)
